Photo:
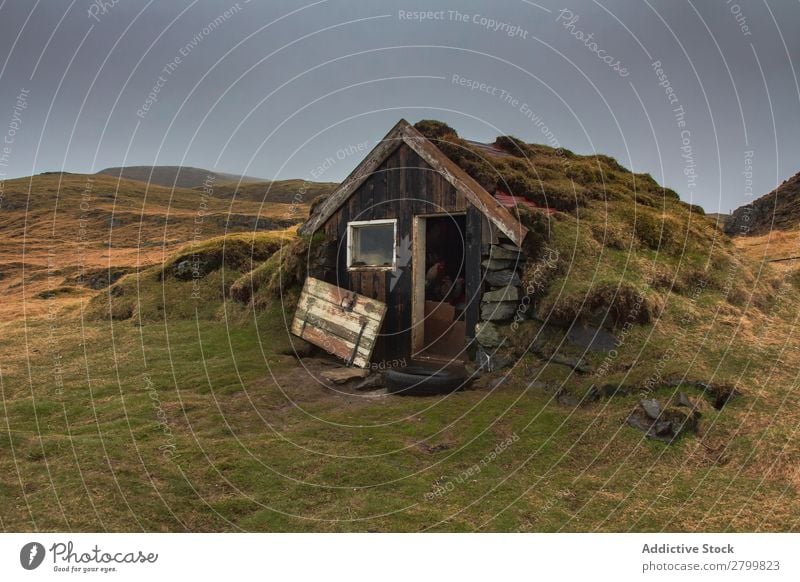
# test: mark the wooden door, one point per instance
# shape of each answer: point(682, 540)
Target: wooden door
point(342, 322)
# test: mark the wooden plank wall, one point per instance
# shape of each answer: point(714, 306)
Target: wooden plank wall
point(403, 186)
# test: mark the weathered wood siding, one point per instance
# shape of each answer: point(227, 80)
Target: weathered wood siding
point(402, 187)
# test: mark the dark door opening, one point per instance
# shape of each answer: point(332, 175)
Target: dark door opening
point(440, 287)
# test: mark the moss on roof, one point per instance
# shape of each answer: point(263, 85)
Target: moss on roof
point(615, 233)
point(554, 178)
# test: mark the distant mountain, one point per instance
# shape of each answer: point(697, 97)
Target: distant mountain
point(179, 176)
point(778, 210)
point(225, 186)
point(279, 191)
point(97, 208)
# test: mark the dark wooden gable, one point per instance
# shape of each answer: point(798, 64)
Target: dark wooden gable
point(404, 185)
point(405, 134)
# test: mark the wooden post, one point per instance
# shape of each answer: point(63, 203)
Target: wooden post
point(472, 270)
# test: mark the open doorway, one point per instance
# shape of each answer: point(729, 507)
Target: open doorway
point(439, 327)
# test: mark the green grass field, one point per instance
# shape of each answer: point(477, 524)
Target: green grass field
point(168, 402)
point(203, 425)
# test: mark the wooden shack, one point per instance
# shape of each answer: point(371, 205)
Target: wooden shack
point(410, 228)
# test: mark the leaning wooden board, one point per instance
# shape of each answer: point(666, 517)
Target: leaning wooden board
point(342, 322)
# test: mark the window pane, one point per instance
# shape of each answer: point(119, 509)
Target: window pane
point(373, 245)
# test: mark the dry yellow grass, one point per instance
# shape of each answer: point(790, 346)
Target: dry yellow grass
point(60, 228)
point(778, 244)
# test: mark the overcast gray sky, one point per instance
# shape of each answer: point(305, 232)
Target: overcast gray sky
point(273, 89)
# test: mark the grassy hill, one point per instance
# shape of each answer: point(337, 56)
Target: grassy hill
point(70, 235)
point(616, 234)
point(174, 399)
point(225, 186)
point(278, 191)
point(179, 176)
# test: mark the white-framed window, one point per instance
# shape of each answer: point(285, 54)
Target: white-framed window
point(371, 244)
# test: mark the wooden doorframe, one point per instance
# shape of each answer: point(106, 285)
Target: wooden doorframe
point(418, 284)
point(419, 246)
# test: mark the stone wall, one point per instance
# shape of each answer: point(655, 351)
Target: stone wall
point(501, 299)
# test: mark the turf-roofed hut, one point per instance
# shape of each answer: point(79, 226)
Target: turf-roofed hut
point(411, 228)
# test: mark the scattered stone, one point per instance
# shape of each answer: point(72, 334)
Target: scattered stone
point(683, 400)
point(509, 247)
point(576, 364)
point(490, 362)
point(299, 348)
point(499, 311)
point(183, 270)
point(497, 265)
point(502, 278)
point(591, 338)
point(103, 280)
point(342, 375)
point(651, 407)
point(97, 279)
point(371, 382)
point(591, 395)
point(504, 253)
point(199, 265)
point(509, 293)
point(566, 398)
point(667, 426)
point(487, 334)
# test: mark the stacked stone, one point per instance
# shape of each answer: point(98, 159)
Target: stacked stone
point(501, 273)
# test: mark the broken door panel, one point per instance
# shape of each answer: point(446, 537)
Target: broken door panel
point(341, 322)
